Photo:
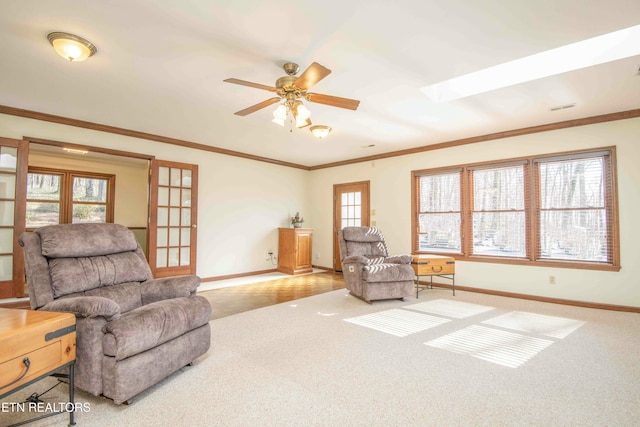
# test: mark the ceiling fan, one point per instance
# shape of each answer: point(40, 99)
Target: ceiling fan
point(291, 89)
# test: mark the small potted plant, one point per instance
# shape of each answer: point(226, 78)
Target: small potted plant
point(297, 220)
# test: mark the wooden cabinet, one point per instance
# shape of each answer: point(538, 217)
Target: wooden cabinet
point(294, 250)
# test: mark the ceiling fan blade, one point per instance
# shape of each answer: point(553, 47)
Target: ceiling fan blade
point(334, 101)
point(257, 107)
point(311, 76)
point(251, 84)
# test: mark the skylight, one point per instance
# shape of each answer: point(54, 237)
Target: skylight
point(597, 50)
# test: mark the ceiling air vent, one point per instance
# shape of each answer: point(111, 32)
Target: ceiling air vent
point(562, 107)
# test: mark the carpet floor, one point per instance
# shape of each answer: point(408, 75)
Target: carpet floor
point(333, 360)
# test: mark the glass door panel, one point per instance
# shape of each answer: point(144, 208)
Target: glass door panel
point(173, 214)
point(351, 209)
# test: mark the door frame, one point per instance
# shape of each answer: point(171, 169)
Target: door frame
point(338, 189)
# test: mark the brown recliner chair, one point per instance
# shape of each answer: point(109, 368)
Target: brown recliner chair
point(369, 272)
point(132, 330)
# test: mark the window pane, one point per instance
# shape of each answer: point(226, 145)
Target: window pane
point(439, 215)
point(162, 237)
point(43, 186)
point(161, 257)
point(174, 255)
point(572, 184)
point(163, 176)
point(499, 227)
point(186, 197)
point(440, 193)
point(573, 217)
point(439, 232)
point(6, 240)
point(186, 178)
point(8, 158)
point(7, 209)
point(185, 254)
point(499, 234)
point(576, 235)
point(498, 189)
point(41, 214)
point(6, 267)
point(163, 196)
point(7, 186)
point(89, 213)
point(185, 236)
point(163, 217)
point(174, 199)
point(174, 237)
point(89, 190)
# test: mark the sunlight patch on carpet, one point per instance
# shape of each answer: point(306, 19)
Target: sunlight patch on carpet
point(557, 327)
point(492, 345)
point(398, 322)
point(449, 308)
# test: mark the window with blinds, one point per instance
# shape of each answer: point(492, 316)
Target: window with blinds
point(555, 210)
point(439, 212)
point(574, 220)
point(498, 212)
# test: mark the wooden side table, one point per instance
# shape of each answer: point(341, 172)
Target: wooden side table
point(434, 265)
point(34, 345)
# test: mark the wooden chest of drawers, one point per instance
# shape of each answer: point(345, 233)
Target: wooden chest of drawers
point(33, 344)
point(425, 265)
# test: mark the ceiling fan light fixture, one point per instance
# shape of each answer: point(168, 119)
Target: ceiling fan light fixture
point(281, 112)
point(71, 47)
point(320, 131)
point(303, 112)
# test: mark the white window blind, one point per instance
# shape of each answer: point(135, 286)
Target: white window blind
point(498, 212)
point(439, 212)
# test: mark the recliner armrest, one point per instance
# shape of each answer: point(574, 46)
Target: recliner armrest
point(169, 287)
point(90, 306)
point(398, 259)
point(355, 259)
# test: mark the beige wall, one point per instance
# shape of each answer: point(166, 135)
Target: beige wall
point(243, 202)
point(391, 199)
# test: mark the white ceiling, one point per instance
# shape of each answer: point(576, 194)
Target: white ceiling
point(160, 68)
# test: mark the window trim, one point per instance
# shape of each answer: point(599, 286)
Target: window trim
point(66, 191)
point(532, 210)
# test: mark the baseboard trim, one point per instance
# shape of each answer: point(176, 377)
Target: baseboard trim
point(600, 306)
point(235, 276)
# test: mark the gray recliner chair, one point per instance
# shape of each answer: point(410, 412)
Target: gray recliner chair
point(131, 330)
point(369, 272)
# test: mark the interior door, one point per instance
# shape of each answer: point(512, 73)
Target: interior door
point(13, 184)
point(172, 218)
point(351, 208)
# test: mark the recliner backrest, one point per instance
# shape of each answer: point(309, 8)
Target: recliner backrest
point(69, 259)
point(365, 241)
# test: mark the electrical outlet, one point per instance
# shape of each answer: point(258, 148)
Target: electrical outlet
point(552, 280)
point(269, 256)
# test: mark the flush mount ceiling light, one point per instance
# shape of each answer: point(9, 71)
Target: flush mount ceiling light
point(597, 50)
point(71, 47)
point(320, 131)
